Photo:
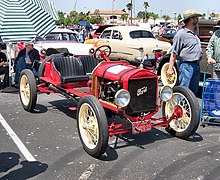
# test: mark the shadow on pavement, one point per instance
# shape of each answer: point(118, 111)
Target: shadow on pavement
point(140, 140)
point(195, 138)
point(110, 154)
point(40, 109)
point(64, 106)
point(9, 160)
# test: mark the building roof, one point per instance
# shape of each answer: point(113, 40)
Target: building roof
point(115, 12)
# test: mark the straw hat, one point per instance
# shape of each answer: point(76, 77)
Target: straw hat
point(189, 14)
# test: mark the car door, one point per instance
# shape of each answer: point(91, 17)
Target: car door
point(117, 44)
point(106, 38)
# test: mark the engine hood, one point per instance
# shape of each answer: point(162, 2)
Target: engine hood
point(121, 71)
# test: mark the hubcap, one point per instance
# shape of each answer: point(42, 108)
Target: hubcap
point(168, 80)
point(25, 90)
point(179, 105)
point(88, 126)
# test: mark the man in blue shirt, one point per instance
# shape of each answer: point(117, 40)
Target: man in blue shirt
point(187, 50)
point(82, 35)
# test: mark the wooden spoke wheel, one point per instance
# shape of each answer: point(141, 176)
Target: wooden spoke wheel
point(185, 107)
point(28, 90)
point(92, 126)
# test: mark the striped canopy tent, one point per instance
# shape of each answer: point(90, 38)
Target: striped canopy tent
point(48, 6)
point(24, 20)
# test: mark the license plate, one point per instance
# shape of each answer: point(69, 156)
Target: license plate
point(141, 127)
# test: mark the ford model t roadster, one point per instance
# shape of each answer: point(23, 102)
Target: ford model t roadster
point(105, 90)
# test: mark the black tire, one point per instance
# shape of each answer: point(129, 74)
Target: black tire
point(165, 59)
point(28, 85)
point(42, 65)
point(190, 106)
point(98, 146)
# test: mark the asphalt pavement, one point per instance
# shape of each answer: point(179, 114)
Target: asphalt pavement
point(45, 146)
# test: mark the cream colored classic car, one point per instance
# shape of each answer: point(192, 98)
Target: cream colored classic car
point(130, 42)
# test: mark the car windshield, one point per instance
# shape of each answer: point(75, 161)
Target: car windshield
point(61, 37)
point(170, 31)
point(141, 34)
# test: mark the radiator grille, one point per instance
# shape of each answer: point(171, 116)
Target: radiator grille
point(143, 96)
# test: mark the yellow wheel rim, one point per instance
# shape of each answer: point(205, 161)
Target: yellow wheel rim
point(180, 124)
point(25, 90)
point(88, 126)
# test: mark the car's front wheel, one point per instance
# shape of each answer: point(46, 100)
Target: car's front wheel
point(92, 126)
point(184, 108)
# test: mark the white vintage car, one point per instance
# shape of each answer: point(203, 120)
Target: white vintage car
point(130, 42)
point(63, 39)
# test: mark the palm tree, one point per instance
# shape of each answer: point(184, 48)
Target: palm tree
point(129, 7)
point(73, 14)
point(124, 16)
point(146, 5)
point(154, 16)
point(166, 17)
point(141, 15)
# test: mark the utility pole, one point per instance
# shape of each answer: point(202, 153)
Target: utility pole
point(131, 11)
point(75, 5)
point(113, 14)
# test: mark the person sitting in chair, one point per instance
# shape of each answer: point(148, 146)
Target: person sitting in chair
point(25, 59)
point(4, 68)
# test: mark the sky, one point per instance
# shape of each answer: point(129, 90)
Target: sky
point(160, 7)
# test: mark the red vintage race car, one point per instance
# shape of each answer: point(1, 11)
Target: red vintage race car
point(105, 90)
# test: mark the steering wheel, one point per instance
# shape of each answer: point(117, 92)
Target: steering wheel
point(102, 52)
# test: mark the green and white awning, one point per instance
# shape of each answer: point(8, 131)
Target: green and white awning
point(48, 6)
point(23, 20)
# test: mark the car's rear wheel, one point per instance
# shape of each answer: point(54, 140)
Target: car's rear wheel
point(185, 106)
point(169, 80)
point(28, 90)
point(92, 126)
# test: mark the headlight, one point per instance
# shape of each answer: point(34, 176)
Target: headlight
point(122, 98)
point(91, 51)
point(166, 93)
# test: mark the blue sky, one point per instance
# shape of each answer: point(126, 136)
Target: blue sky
point(164, 7)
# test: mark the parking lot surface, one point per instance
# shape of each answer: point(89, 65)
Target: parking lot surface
point(45, 146)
